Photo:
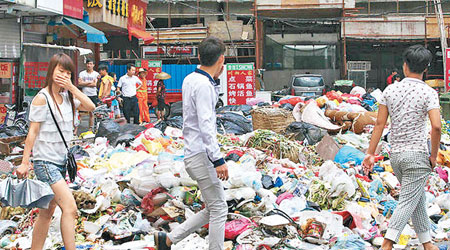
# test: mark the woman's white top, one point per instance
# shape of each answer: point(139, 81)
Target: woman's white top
point(49, 145)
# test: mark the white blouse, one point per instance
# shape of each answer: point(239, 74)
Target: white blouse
point(49, 145)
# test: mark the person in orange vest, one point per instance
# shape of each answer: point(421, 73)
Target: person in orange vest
point(142, 96)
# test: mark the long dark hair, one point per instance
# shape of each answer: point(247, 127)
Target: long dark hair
point(66, 63)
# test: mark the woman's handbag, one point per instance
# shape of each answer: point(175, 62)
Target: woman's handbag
point(71, 163)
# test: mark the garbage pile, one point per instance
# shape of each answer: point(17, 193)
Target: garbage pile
point(302, 188)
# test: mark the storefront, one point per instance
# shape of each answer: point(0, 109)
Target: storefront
point(124, 24)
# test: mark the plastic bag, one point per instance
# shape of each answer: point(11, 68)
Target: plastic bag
point(168, 180)
point(301, 131)
point(176, 109)
point(349, 154)
point(152, 147)
point(142, 185)
point(26, 194)
point(245, 109)
point(235, 227)
point(233, 123)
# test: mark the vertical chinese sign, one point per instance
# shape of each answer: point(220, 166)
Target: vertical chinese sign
point(153, 68)
point(137, 13)
point(240, 82)
point(447, 69)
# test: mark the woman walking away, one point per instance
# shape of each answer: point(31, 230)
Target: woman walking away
point(49, 152)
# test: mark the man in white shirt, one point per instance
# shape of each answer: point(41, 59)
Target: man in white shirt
point(203, 160)
point(128, 84)
point(87, 79)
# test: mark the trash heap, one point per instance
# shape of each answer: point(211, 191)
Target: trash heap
point(299, 188)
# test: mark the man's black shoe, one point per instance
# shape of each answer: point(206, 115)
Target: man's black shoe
point(160, 241)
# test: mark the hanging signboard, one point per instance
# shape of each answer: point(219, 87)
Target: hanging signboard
point(153, 68)
point(73, 8)
point(447, 70)
point(137, 14)
point(240, 82)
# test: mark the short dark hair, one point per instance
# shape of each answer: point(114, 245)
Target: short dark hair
point(210, 49)
point(112, 74)
point(418, 58)
point(397, 76)
point(88, 61)
point(103, 67)
point(394, 70)
point(129, 66)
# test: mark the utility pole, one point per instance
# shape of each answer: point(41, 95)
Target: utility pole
point(440, 21)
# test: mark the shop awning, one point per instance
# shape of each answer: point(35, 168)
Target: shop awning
point(140, 34)
point(93, 35)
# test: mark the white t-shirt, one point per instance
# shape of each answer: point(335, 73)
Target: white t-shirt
point(127, 85)
point(89, 77)
point(408, 103)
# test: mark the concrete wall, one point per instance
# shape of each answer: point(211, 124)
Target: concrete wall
point(276, 79)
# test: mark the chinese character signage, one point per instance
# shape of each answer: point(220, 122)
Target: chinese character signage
point(35, 74)
point(3, 111)
point(117, 7)
point(73, 8)
point(447, 70)
point(240, 82)
point(137, 14)
point(5, 69)
point(153, 68)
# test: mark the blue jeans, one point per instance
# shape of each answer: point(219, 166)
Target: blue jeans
point(49, 172)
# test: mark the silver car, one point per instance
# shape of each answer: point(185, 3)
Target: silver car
point(307, 85)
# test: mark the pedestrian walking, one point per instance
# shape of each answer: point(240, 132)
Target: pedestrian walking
point(127, 85)
point(390, 78)
point(408, 104)
point(115, 107)
point(203, 159)
point(87, 79)
point(161, 95)
point(142, 96)
point(48, 148)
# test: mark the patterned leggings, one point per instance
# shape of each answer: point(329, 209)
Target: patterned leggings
point(412, 170)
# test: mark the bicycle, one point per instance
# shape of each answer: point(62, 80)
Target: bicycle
point(14, 118)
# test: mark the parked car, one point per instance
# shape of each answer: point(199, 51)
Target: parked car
point(307, 85)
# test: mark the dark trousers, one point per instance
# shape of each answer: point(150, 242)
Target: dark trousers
point(131, 109)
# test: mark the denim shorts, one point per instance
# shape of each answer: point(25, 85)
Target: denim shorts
point(49, 172)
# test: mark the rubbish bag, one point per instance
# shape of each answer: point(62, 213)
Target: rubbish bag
point(27, 193)
point(287, 106)
point(175, 122)
point(109, 129)
point(233, 123)
point(245, 109)
point(124, 139)
point(301, 131)
point(349, 154)
point(235, 227)
point(176, 109)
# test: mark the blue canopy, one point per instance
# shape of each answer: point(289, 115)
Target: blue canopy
point(93, 35)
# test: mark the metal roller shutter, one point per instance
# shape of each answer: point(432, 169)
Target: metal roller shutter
point(9, 38)
point(29, 37)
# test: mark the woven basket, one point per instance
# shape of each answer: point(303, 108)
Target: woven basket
point(275, 119)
